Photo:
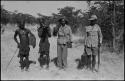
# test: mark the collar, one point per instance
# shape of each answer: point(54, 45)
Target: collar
point(64, 26)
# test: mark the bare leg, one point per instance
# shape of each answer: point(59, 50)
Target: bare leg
point(27, 62)
point(21, 62)
point(48, 59)
point(94, 63)
point(40, 59)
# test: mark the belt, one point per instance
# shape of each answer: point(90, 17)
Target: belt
point(61, 37)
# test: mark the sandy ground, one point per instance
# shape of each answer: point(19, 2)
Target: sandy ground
point(112, 65)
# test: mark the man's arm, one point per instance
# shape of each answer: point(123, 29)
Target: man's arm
point(100, 35)
point(29, 32)
point(85, 37)
point(49, 31)
point(40, 30)
point(15, 37)
point(70, 34)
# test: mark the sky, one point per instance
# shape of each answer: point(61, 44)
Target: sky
point(43, 7)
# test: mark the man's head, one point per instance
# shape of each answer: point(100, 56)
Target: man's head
point(63, 21)
point(93, 20)
point(21, 24)
point(41, 22)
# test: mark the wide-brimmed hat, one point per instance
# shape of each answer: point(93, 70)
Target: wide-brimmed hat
point(66, 20)
point(93, 17)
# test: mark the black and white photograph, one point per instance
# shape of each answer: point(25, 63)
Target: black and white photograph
point(62, 40)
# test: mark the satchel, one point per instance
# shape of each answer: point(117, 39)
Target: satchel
point(69, 44)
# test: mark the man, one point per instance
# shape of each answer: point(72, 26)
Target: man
point(44, 45)
point(23, 45)
point(64, 36)
point(93, 40)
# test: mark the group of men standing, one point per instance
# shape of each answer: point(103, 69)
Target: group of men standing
point(93, 40)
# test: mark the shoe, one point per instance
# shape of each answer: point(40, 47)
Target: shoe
point(94, 70)
point(60, 68)
point(64, 68)
point(81, 67)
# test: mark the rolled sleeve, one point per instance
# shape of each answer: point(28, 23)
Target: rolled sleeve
point(70, 33)
point(100, 35)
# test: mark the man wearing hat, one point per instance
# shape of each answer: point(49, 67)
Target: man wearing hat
point(64, 36)
point(93, 40)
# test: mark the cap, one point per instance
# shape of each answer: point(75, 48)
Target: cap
point(93, 17)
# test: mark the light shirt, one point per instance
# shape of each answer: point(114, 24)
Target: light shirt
point(64, 34)
point(93, 36)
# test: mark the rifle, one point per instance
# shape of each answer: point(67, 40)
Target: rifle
point(99, 45)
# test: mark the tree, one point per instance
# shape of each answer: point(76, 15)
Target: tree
point(110, 17)
point(4, 16)
point(15, 17)
point(72, 16)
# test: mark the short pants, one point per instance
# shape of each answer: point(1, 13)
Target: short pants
point(91, 50)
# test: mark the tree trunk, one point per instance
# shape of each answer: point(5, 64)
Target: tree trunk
point(113, 32)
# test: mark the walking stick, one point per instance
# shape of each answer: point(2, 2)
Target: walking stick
point(11, 59)
point(98, 57)
point(99, 44)
point(91, 60)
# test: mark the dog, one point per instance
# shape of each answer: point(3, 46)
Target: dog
point(87, 62)
point(54, 60)
point(84, 62)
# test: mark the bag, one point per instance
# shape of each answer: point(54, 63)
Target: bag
point(69, 44)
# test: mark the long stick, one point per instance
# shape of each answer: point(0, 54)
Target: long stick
point(98, 57)
point(11, 59)
point(91, 60)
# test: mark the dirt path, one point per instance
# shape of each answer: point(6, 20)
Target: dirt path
point(112, 66)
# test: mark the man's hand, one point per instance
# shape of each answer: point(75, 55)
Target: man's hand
point(99, 44)
point(71, 41)
point(18, 45)
point(33, 46)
